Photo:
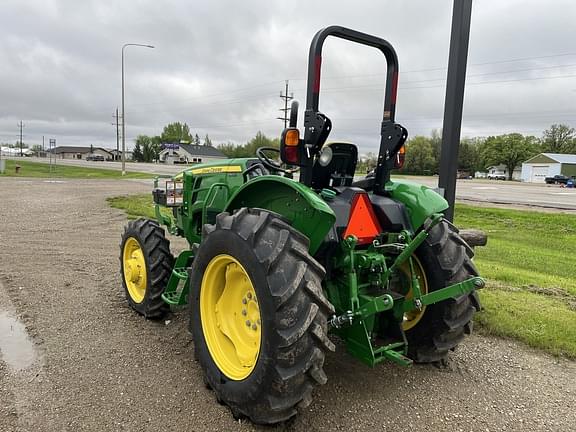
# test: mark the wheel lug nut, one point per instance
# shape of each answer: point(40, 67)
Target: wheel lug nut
point(258, 322)
point(244, 301)
point(248, 323)
point(249, 295)
point(244, 312)
point(254, 326)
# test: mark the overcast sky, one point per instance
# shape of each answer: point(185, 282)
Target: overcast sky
point(220, 66)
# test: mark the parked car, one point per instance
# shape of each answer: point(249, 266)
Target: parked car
point(558, 179)
point(95, 158)
point(496, 176)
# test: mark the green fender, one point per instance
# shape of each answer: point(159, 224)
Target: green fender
point(305, 210)
point(420, 201)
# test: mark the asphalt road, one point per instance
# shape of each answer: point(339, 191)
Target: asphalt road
point(486, 191)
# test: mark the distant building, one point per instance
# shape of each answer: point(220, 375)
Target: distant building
point(117, 154)
point(15, 151)
point(81, 152)
point(537, 168)
point(178, 153)
point(500, 172)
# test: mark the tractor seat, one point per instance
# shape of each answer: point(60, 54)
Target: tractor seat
point(340, 170)
point(367, 183)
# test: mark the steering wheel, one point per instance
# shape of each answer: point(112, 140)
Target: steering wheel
point(273, 164)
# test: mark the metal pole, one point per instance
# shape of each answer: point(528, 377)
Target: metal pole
point(286, 106)
point(123, 111)
point(51, 147)
point(21, 126)
point(454, 101)
point(123, 119)
point(117, 137)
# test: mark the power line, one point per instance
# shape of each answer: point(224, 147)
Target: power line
point(244, 89)
point(371, 87)
point(367, 87)
point(286, 98)
point(547, 113)
point(444, 68)
point(240, 90)
point(225, 102)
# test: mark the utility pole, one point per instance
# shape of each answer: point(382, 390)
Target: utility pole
point(21, 125)
point(285, 109)
point(42, 142)
point(117, 124)
point(454, 102)
point(51, 147)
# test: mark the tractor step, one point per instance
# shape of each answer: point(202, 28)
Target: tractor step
point(172, 295)
point(176, 292)
point(180, 273)
point(172, 298)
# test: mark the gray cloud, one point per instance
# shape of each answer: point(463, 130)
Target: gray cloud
point(219, 66)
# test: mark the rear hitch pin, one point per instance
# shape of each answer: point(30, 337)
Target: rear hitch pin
point(338, 321)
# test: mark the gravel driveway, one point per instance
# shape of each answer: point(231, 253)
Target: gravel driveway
point(100, 367)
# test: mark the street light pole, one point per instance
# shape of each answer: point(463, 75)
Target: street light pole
point(123, 111)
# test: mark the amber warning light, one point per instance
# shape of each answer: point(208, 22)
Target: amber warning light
point(362, 222)
point(290, 141)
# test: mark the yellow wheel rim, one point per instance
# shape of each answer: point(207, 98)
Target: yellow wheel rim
point(230, 317)
point(134, 266)
point(411, 318)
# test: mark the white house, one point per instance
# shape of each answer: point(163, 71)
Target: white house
point(537, 168)
point(188, 153)
point(76, 152)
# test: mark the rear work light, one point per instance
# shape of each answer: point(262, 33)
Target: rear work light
point(362, 223)
point(400, 157)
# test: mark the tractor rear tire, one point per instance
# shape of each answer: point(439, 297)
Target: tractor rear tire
point(270, 259)
point(145, 247)
point(446, 259)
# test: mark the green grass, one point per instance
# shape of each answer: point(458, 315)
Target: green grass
point(524, 247)
point(538, 320)
point(136, 206)
point(42, 170)
point(529, 262)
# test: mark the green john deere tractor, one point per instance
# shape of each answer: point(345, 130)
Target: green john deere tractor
point(275, 265)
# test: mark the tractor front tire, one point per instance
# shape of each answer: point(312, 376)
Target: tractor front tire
point(446, 259)
point(145, 266)
point(258, 315)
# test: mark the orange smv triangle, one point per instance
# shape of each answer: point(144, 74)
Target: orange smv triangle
point(362, 222)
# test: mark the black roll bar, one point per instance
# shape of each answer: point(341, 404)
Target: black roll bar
point(315, 65)
point(317, 126)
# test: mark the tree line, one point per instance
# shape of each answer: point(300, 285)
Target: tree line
point(148, 148)
point(479, 153)
point(422, 152)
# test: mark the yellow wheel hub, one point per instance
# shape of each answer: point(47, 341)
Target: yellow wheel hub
point(411, 318)
point(230, 317)
point(134, 266)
